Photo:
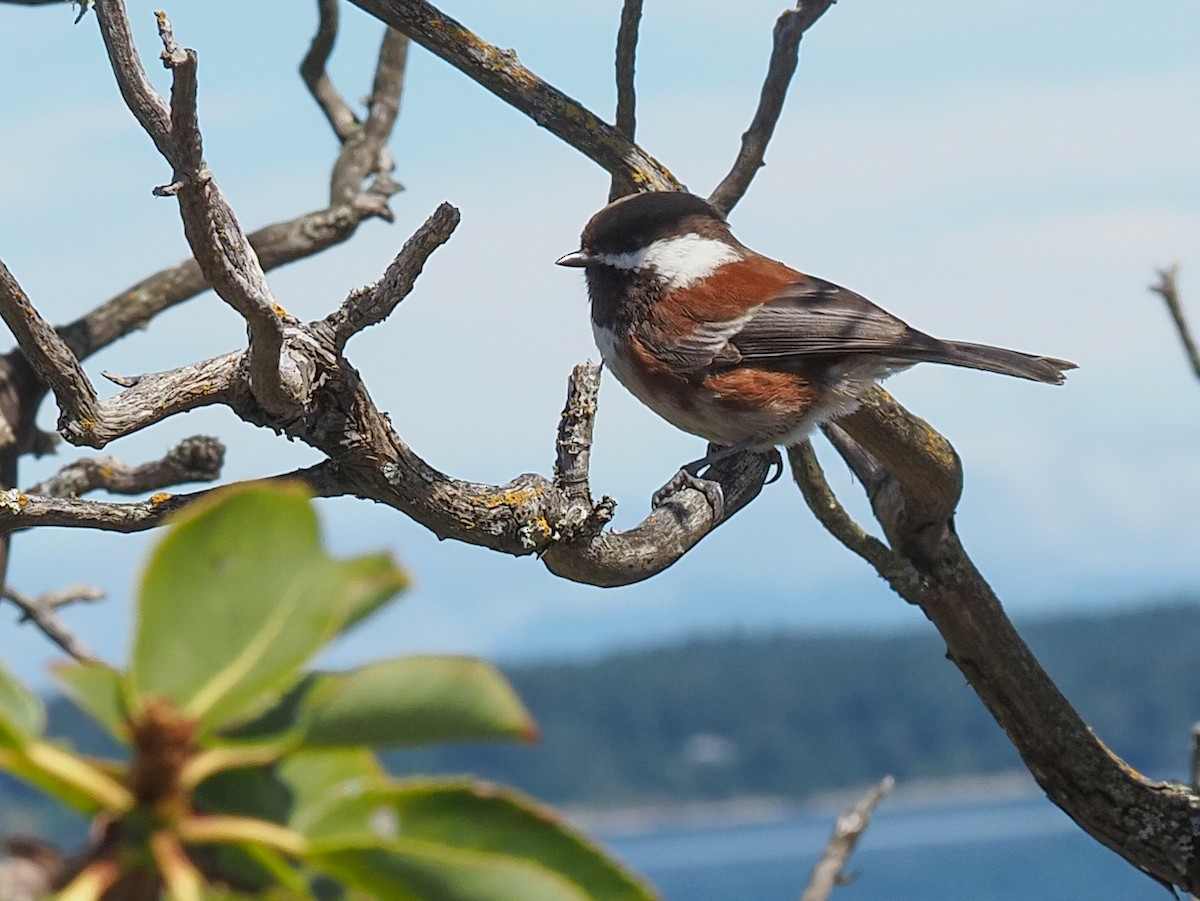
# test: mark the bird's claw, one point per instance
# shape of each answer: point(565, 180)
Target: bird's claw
point(776, 465)
point(685, 478)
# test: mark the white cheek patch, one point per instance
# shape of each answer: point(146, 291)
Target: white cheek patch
point(678, 261)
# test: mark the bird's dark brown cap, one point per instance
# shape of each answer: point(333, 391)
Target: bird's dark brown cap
point(639, 220)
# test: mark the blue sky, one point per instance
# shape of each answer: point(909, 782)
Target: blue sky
point(1003, 173)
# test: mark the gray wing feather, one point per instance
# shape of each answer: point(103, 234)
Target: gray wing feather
point(818, 317)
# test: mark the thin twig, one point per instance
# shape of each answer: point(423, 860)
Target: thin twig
point(1168, 289)
point(196, 459)
point(19, 511)
point(137, 91)
point(626, 56)
point(789, 29)
point(627, 38)
point(374, 303)
point(366, 153)
point(829, 871)
point(821, 500)
point(49, 355)
point(42, 611)
point(341, 117)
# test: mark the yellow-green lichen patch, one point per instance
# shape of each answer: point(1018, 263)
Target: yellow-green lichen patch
point(508, 498)
point(13, 500)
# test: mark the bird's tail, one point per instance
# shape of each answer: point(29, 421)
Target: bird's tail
point(998, 359)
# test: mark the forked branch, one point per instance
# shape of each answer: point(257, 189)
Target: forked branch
point(213, 232)
point(1151, 824)
point(196, 459)
point(42, 611)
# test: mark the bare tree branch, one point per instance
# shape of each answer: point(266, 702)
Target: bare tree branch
point(341, 117)
point(374, 303)
point(365, 152)
point(574, 452)
point(216, 238)
point(531, 514)
point(829, 871)
point(42, 612)
point(502, 73)
point(196, 459)
point(1168, 289)
point(52, 359)
point(833, 516)
point(275, 245)
point(582, 551)
point(916, 499)
point(789, 29)
point(19, 511)
point(1149, 823)
point(139, 95)
point(84, 418)
point(627, 38)
point(626, 55)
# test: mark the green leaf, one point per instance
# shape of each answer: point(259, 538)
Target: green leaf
point(283, 793)
point(22, 716)
point(251, 792)
point(238, 596)
point(315, 778)
point(283, 722)
point(417, 700)
point(100, 691)
point(476, 817)
point(409, 870)
point(375, 581)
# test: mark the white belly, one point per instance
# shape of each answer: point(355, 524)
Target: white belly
point(722, 425)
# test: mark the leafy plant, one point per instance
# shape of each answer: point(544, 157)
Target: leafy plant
point(248, 775)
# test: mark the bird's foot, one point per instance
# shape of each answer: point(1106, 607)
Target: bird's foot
point(684, 479)
point(776, 465)
point(689, 477)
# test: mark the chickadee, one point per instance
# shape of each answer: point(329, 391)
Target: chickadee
point(736, 347)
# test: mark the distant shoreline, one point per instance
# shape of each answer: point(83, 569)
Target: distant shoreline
point(635, 819)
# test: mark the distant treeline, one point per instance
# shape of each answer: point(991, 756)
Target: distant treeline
point(790, 715)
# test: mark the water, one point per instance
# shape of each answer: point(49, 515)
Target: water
point(1012, 850)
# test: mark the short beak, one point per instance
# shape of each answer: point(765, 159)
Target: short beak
point(576, 260)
